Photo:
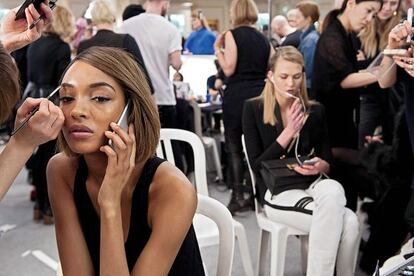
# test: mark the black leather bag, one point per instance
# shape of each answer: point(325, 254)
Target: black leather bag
point(278, 175)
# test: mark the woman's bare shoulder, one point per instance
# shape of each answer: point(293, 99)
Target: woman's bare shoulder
point(63, 168)
point(170, 181)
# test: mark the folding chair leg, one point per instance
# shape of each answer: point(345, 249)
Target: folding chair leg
point(278, 251)
point(264, 238)
point(241, 237)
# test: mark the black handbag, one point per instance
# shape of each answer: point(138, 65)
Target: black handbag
point(278, 175)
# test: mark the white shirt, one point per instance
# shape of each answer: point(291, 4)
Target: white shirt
point(157, 38)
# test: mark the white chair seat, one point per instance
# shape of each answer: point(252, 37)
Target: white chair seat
point(207, 231)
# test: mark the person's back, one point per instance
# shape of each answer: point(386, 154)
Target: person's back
point(47, 58)
point(251, 61)
point(157, 38)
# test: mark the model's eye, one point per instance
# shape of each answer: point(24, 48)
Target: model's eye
point(297, 77)
point(65, 99)
point(100, 99)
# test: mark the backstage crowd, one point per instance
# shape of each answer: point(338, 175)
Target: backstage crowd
point(325, 89)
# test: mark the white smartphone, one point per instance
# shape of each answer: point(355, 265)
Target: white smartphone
point(123, 120)
point(395, 52)
point(309, 162)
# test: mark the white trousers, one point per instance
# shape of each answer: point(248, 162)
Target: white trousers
point(333, 229)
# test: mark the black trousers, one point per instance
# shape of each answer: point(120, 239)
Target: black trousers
point(168, 119)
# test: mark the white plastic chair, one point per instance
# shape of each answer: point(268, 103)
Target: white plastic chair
point(206, 230)
point(276, 233)
point(208, 142)
point(216, 211)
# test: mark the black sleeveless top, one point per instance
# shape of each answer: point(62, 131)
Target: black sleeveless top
point(253, 51)
point(188, 260)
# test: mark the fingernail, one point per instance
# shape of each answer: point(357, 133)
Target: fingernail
point(113, 124)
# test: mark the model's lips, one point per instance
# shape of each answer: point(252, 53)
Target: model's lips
point(80, 132)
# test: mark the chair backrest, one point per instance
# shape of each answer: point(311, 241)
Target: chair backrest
point(216, 211)
point(200, 172)
point(257, 206)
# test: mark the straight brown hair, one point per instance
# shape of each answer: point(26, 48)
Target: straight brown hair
point(122, 67)
point(9, 88)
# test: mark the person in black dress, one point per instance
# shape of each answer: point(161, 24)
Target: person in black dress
point(335, 84)
point(118, 209)
point(104, 19)
point(47, 59)
point(244, 61)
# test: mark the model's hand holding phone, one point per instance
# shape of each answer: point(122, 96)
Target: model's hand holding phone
point(121, 163)
point(313, 166)
point(16, 34)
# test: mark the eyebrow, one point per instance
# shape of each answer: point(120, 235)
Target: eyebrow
point(92, 85)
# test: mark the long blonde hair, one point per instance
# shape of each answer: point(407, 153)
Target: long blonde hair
point(369, 35)
point(291, 54)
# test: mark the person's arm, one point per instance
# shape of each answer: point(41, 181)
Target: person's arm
point(396, 40)
point(172, 201)
point(175, 60)
point(16, 34)
point(174, 50)
point(131, 46)
point(73, 251)
point(63, 60)
point(45, 125)
point(356, 80)
point(228, 57)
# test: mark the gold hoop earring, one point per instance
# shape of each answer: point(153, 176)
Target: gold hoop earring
point(395, 13)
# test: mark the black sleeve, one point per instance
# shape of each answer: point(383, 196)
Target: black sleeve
point(63, 60)
point(337, 65)
point(255, 149)
point(81, 47)
point(132, 47)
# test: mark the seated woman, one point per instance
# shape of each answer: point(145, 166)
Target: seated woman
point(118, 209)
point(270, 123)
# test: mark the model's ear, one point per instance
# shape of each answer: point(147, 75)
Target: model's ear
point(270, 76)
point(350, 3)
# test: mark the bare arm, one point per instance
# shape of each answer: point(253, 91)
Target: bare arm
point(170, 191)
point(356, 80)
point(73, 251)
point(175, 60)
point(388, 78)
point(42, 127)
point(228, 58)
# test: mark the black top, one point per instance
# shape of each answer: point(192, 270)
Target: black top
point(123, 41)
point(47, 59)
point(292, 39)
point(261, 138)
point(188, 260)
point(408, 83)
point(335, 59)
point(253, 50)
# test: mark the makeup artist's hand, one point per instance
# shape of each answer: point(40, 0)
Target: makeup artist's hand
point(44, 126)
point(121, 163)
point(407, 63)
point(398, 35)
point(16, 34)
